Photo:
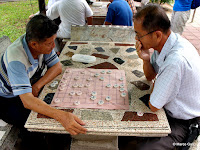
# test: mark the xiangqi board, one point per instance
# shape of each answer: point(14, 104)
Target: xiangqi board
point(92, 88)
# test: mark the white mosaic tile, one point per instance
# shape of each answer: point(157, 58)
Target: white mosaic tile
point(2, 134)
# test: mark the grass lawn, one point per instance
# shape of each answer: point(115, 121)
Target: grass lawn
point(14, 17)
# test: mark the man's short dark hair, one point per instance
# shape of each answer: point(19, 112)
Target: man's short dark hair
point(154, 18)
point(39, 28)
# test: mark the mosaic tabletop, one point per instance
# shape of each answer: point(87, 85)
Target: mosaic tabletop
point(138, 120)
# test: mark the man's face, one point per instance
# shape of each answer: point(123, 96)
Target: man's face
point(47, 46)
point(144, 37)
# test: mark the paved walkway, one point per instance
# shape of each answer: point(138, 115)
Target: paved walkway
point(192, 29)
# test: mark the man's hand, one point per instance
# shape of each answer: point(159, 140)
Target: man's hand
point(35, 90)
point(68, 120)
point(143, 54)
point(72, 123)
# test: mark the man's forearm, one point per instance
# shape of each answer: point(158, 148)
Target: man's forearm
point(149, 71)
point(50, 75)
point(107, 23)
point(37, 105)
point(89, 20)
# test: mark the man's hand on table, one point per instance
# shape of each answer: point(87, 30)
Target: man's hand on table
point(72, 123)
point(68, 120)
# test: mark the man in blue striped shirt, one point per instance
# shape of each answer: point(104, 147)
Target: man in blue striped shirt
point(19, 64)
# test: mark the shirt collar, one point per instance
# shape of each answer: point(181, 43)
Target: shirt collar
point(166, 48)
point(27, 50)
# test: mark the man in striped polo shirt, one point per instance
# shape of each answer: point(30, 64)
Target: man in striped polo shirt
point(18, 65)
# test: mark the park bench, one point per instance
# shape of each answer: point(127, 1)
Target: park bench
point(8, 133)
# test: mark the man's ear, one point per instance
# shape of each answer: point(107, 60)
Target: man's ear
point(33, 44)
point(159, 35)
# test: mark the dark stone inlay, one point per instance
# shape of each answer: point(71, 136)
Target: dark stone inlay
point(100, 56)
point(105, 65)
point(132, 116)
point(44, 116)
point(69, 54)
point(73, 47)
point(74, 43)
point(85, 51)
point(138, 73)
point(84, 63)
point(48, 98)
point(95, 115)
point(115, 50)
point(118, 60)
point(123, 44)
point(145, 99)
point(141, 85)
point(129, 50)
point(100, 49)
point(66, 63)
point(99, 44)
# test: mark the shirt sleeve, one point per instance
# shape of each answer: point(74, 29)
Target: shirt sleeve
point(52, 12)
point(166, 85)
point(18, 78)
point(88, 10)
point(110, 15)
point(51, 59)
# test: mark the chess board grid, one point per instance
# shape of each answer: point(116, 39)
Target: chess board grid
point(116, 102)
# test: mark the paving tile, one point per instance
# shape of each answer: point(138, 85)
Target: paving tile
point(194, 41)
point(190, 37)
point(187, 33)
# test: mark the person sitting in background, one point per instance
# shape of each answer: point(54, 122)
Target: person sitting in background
point(71, 12)
point(21, 80)
point(119, 13)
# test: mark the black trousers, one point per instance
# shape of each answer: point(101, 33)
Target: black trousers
point(13, 112)
point(179, 132)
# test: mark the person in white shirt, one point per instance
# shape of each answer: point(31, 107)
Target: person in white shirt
point(71, 12)
point(51, 2)
point(175, 67)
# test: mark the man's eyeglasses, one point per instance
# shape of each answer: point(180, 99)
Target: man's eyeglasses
point(139, 37)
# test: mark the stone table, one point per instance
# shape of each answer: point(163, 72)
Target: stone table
point(104, 126)
point(100, 13)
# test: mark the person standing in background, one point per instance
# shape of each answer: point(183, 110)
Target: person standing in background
point(180, 15)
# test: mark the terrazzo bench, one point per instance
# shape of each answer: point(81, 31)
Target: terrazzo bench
point(8, 133)
point(103, 33)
